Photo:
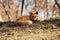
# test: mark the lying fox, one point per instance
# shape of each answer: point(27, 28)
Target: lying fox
point(29, 19)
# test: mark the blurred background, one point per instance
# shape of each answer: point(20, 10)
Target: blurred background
point(10, 10)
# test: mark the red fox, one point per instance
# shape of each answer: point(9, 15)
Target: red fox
point(27, 20)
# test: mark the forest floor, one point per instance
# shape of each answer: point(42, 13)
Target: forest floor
point(50, 30)
point(18, 33)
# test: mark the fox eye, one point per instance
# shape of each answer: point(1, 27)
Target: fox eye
point(36, 12)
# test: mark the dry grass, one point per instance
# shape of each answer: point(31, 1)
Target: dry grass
point(28, 33)
point(47, 30)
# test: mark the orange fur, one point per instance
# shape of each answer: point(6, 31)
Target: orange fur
point(27, 20)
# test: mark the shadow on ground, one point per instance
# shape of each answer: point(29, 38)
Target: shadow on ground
point(9, 24)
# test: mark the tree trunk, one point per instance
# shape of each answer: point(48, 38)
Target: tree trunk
point(46, 8)
point(56, 2)
point(22, 7)
point(7, 13)
point(35, 6)
point(18, 8)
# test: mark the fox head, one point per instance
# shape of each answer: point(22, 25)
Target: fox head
point(34, 16)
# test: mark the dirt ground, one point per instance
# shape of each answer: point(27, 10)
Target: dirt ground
point(29, 33)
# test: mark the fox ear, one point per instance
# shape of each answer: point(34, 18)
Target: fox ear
point(36, 12)
point(30, 13)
